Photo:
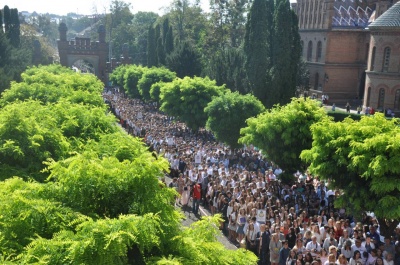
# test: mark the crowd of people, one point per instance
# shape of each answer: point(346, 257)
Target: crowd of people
point(282, 224)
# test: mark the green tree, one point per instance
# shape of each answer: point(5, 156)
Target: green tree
point(169, 41)
point(284, 80)
point(155, 91)
point(38, 215)
point(284, 131)
point(108, 176)
point(152, 76)
point(228, 113)
point(185, 61)
point(28, 137)
point(359, 158)
point(151, 47)
point(228, 67)
point(139, 28)
point(132, 76)
point(272, 47)
point(258, 47)
point(186, 99)
point(117, 76)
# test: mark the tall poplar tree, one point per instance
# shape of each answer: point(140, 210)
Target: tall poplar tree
point(272, 48)
point(169, 41)
point(14, 32)
point(282, 77)
point(7, 18)
point(151, 47)
point(257, 47)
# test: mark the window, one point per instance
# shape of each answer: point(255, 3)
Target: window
point(397, 99)
point(386, 59)
point(373, 59)
point(319, 51)
point(309, 51)
point(316, 81)
point(381, 99)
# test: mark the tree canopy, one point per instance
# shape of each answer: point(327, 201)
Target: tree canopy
point(152, 76)
point(83, 190)
point(228, 113)
point(359, 157)
point(284, 131)
point(186, 99)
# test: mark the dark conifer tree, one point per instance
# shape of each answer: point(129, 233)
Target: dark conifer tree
point(185, 61)
point(257, 47)
point(7, 19)
point(169, 41)
point(14, 28)
point(151, 48)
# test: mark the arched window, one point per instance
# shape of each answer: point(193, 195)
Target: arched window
point(373, 59)
point(369, 96)
point(386, 59)
point(381, 99)
point(316, 81)
point(319, 51)
point(309, 51)
point(397, 100)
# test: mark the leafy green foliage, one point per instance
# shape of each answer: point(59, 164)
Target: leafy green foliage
point(48, 84)
point(155, 91)
point(284, 131)
point(29, 135)
point(199, 245)
point(26, 212)
point(117, 77)
point(132, 76)
point(341, 115)
point(106, 241)
point(152, 76)
point(93, 169)
point(360, 158)
point(228, 113)
point(85, 182)
point(186, 99)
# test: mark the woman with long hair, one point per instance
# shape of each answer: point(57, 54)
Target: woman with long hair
point(356, 258)
point(241, 221)
point(308, 258)
point(342, 260)
point(291, 260)
point(274, 247)
point(251, 238)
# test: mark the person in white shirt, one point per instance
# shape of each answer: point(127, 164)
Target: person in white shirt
point(358, 246)
point(313, 247)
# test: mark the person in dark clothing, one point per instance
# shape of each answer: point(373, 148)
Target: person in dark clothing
point(284, 253)
point(263, 239)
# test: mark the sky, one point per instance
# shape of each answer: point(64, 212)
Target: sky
point(87, 7)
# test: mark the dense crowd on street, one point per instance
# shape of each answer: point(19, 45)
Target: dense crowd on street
point(294, 224)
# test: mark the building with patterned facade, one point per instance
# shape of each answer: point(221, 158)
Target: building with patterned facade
point(339, 39)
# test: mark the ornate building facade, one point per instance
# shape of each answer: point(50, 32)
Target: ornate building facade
point(336, 38)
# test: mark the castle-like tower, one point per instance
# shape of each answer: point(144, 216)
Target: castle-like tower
point(84, 49)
